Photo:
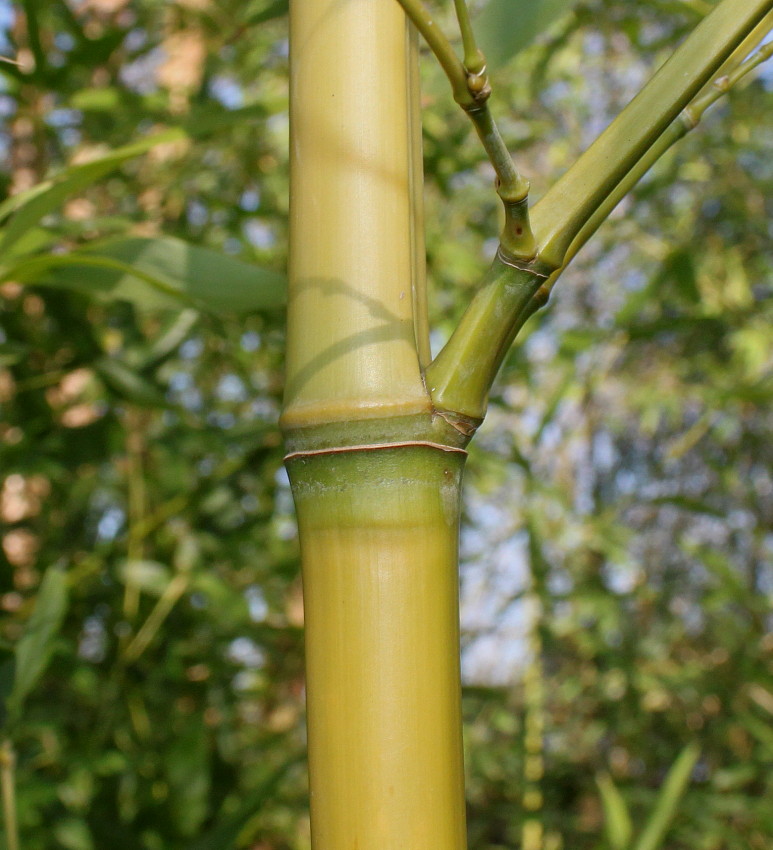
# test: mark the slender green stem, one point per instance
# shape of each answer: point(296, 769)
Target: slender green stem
point(460, 377)
point(722, 85)
point(533, 743)
point(8, 783)
point(33, 34)
point(136, 497)
point(474, 60)
point(421, 18)
point(416, 177)
point(169, 598)
point(567, 207)
point(687, 121)
point(517, 239)
point(471, 89)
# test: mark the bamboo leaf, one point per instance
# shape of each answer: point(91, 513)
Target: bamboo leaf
point(617, 819)
point(128, 384)
point(35, 646)
point(760, 730)
point(671, 793)
point(28, 208)
point(225, 834)
point(169, 339)
point(260, 11)
point(188, 772)
point(12, 352)
point(505, 27)
point(156, 274)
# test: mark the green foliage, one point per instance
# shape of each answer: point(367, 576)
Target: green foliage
point(670, 795)
point(617, 818)
point(151, 273)
point(36, 644)
point(158, 273)
point(506, 27)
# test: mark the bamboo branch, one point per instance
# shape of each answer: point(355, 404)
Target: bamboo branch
point(416, 191)
point(567, 207)
point(168, 599)
point(471, 90)
point(688, 120)
point(421, 18)
point(474, 60)
point(461, 375)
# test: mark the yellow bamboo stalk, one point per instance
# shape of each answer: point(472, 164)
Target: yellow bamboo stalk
point(379, 545)
point(351, 345)
point(375, 473)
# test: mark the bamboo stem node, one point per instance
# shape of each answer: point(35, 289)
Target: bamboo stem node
point(373, 447)
point(503, 257)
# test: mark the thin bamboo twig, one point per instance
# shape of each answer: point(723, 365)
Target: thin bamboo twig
point(534, 737)
point(421, 18)
point(571, 202)
point(460, 376)
point(8, 783)
point(471, 90)
point(416, 190)
point(169, 598)
point(136, 497)
point(686, 122)
point(516, 239)
point(474, 60)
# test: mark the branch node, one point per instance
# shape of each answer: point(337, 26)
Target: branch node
point(478, 86)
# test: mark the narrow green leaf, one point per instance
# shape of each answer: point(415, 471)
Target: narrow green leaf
point(35, 646)
point(505, 27)
point(151, 577)
point(12, 352)
point(102, 99)
point(28, 208)
point(34, 241)
point(260, 11)
point(169, 339)
point(128, 384)
point(617, 819)
point(760, 730)
point(225, 834)
point(157, 274)
point(671, 793)
point(686, 503)
point(188, 772)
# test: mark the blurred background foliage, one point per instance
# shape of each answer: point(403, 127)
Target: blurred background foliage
point(617, 569)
